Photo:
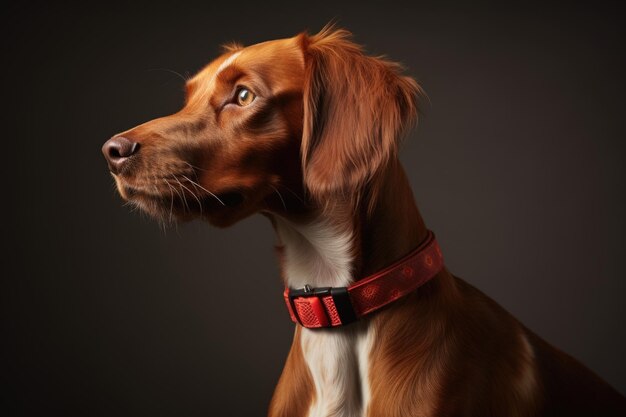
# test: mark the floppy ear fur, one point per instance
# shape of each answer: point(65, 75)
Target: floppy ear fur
point(356, 108)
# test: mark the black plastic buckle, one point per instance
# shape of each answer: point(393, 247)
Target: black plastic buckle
point(340, 296)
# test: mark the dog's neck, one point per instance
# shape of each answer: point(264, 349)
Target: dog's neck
point(336, 247)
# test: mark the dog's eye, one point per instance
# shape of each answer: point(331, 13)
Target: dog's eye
point(245, 97)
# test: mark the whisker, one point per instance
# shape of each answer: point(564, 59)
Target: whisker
point(178, 74)
point(292, 192)
point(280, 196)
point(192, 193)
point(161, 219)
point(183, 194)
point(195, 188)
point(194, 167)
point(171, 199)
point(204, 189)
point(176, 190)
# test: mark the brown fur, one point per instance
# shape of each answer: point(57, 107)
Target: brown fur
point(295, 392)
point(355, 109)
point(321, 139)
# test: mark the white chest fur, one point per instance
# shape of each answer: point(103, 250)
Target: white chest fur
point(338, 362)
point(319, 255)
point(316, 254)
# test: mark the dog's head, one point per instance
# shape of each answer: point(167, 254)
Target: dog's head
point(278, 127)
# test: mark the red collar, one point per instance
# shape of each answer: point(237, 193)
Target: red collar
point(336, 306)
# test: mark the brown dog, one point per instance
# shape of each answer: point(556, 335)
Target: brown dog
point(305, 131)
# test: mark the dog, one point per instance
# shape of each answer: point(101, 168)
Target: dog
point(305, 131)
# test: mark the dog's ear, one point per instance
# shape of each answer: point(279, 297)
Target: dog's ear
point(356, 108)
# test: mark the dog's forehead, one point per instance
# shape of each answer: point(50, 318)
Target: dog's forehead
point(288, 50)
point(279, 60)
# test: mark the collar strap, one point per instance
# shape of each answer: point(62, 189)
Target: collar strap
point(336, 306)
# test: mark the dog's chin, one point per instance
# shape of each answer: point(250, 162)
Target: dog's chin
point(220, 210)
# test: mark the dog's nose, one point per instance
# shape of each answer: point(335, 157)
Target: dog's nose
point(117, 151)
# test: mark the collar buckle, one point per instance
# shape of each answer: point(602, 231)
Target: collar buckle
point(323, 306)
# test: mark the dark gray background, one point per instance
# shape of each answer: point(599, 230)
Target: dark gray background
point(517, 165)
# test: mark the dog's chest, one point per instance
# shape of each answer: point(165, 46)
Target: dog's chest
point(338, 360)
